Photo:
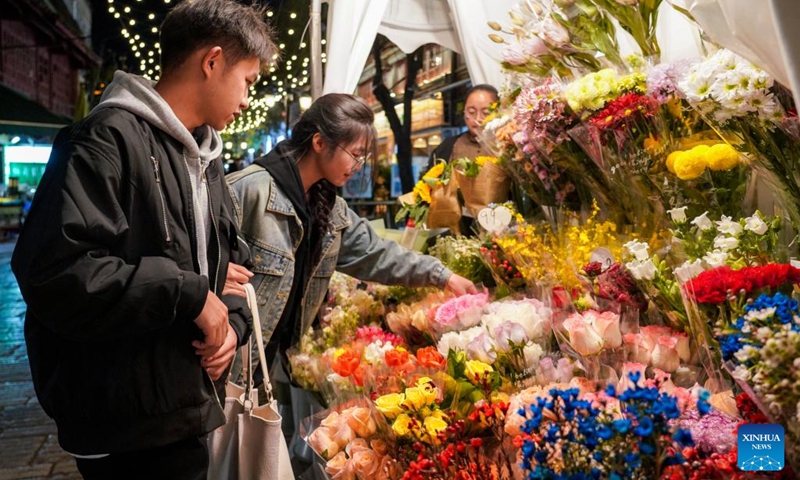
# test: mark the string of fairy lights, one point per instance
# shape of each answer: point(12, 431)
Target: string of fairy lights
point(139, 26)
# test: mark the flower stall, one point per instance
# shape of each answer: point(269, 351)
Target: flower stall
point(630, 322)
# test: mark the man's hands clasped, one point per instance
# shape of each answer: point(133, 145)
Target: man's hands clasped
point(219, 343)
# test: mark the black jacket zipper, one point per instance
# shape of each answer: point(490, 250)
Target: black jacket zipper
point(157, 171)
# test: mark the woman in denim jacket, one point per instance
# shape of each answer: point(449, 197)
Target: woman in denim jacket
point(300, 231)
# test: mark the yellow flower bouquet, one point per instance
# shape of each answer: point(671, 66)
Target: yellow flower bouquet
point(707, 176)
point(417, 203)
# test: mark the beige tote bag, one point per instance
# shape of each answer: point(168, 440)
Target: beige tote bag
point(251, 445)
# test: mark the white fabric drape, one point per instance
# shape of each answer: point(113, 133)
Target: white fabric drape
point(410, 24)
point(352, 26)
point(459, 25)
point(481, 55)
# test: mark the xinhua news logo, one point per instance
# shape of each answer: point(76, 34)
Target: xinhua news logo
point(760, 447)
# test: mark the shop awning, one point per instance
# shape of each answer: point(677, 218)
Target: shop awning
point(22, 116)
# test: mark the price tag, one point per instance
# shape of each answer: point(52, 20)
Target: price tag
point(602, 255)
point(494, 219)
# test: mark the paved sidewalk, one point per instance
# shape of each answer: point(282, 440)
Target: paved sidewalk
point(28, 444)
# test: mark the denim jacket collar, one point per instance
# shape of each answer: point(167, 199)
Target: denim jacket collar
point(278, 203)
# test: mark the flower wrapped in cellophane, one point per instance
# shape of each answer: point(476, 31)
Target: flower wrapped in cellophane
point(617, 433)
point(462, 255)
point(700, 171)
point(412, 318)
point(760, 348)
point(708, 175)
point(347, 437)
point(621, 133)
point(512, 336)
point(752, 113)
point(753, 322)
point(549, 165)
point(553, 256)
point(351, 304)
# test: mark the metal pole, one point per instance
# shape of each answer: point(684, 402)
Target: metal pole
point(316, 49)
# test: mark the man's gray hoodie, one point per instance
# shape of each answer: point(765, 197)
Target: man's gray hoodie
point(137, 95)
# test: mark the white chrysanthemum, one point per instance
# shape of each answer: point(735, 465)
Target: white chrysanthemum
point(746, 353)
point(735, 106)
point(763, 333)
point(765, 105)
point(760, 80)
point(727, 87)
point(725, 60)
point(696, 88)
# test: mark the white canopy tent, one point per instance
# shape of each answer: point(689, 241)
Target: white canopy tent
point(460, 25)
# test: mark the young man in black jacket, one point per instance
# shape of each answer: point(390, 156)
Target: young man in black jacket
point(130, 260)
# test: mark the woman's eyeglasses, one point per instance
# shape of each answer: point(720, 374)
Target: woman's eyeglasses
point(359, 161)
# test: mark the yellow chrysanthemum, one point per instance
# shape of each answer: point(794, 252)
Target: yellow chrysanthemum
point(722, 157)
point(671, 160)
point(692, 163)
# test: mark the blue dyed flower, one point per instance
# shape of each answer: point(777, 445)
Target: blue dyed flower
point(645, 427)
point(647, 448)
point(683, 437)
point(730, 344)
point(621, 426)
point(702, 402)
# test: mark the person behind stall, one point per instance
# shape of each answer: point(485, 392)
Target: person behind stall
point(130, 262)
point(476, 108)
point(300, 231)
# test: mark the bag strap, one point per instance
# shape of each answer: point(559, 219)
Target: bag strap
point(252, 302)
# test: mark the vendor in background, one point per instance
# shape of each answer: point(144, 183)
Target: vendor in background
point(476, 108)
point(300, 230)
